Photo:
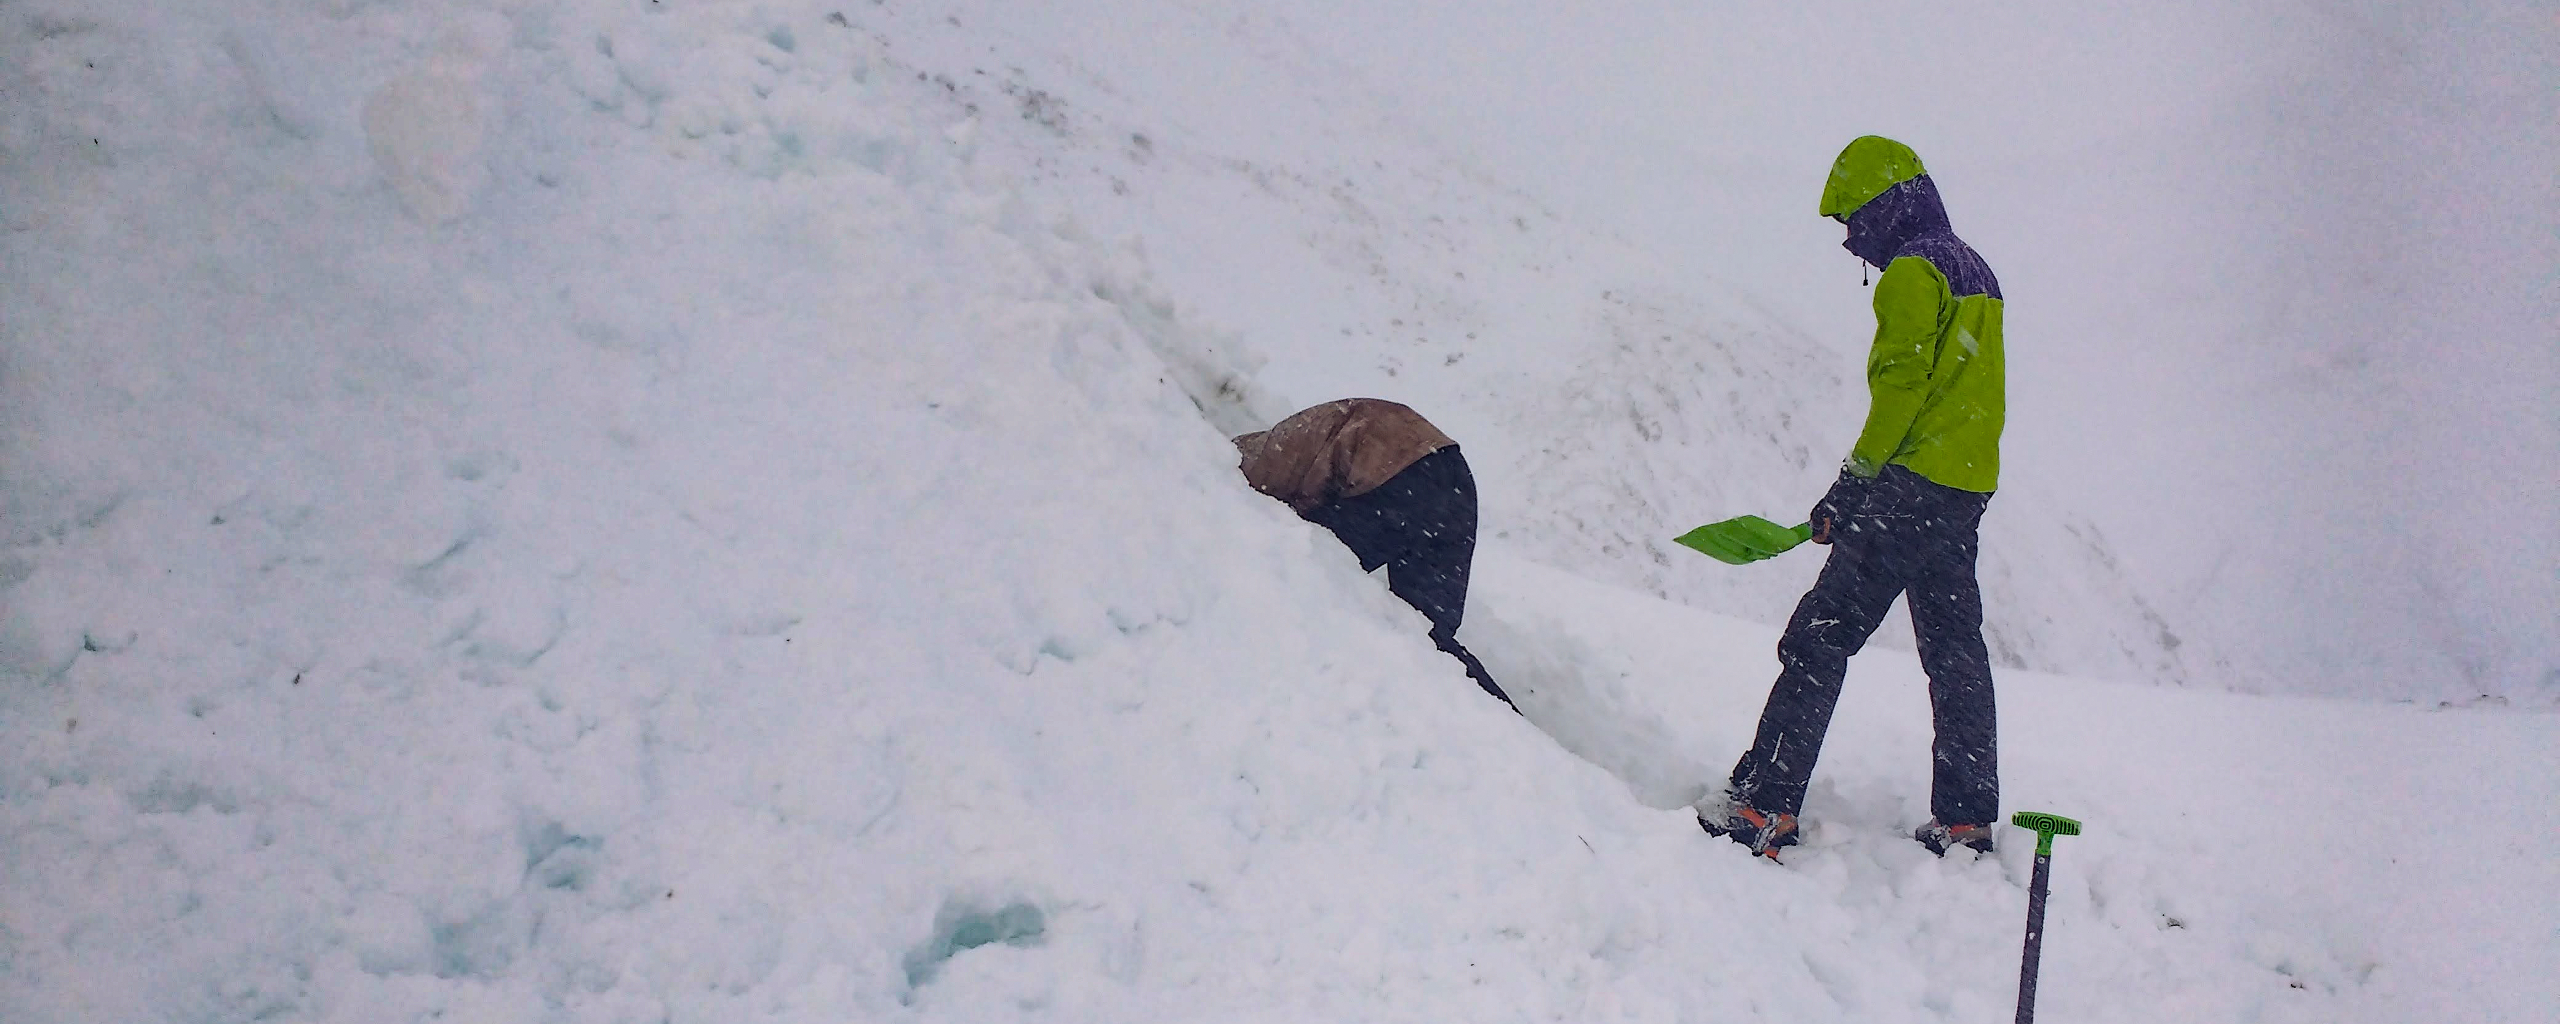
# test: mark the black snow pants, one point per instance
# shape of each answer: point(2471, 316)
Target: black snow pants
point(1421, 525)
point(1916, 538)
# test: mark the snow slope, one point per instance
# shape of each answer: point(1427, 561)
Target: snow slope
point(1610, 401)
point(652, 512)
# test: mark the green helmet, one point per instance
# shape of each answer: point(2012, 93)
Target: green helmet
point(1870, 165)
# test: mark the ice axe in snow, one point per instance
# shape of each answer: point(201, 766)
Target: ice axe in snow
point(2047, 826)
point(1744, 539)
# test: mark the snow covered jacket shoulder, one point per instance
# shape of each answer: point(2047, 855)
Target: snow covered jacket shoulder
point(1936, 393)
point(1336, 450)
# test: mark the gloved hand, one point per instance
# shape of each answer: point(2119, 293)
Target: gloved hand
point(1846, 498)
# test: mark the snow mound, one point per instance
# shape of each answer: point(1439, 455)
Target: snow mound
point(735, 558)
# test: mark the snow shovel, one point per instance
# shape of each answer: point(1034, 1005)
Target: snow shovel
point(2047, 826)
point(1742, 540)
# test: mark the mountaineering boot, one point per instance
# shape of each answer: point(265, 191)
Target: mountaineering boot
point(1715, 810)
point(1939, 838)
point(1761, 831)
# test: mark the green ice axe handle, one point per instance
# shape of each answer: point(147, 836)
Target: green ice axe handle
point(2047, 826)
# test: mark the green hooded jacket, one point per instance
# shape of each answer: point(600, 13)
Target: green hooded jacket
point(1936, 395)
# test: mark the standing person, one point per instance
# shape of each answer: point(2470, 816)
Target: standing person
point(1903, 518)
point(1394, 489)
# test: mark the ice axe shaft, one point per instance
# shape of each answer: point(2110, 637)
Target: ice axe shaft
point(2047, 826)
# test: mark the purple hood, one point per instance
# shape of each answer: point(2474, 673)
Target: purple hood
point(1909, 220)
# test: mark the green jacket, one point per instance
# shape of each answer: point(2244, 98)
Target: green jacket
point(1936, 395)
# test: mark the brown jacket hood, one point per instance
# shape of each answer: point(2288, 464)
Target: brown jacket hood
point(1336, 450)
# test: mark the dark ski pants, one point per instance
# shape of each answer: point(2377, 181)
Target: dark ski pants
point(1421, 525)
point(1919, 539)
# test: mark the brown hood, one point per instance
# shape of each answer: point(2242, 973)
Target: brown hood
point(1336, 450)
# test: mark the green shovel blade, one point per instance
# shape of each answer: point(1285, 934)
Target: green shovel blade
point(1744, 539)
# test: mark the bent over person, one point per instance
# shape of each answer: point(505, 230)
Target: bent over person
point(1903, 518)
point(1394, 489)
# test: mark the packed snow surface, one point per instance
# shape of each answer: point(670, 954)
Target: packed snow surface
point(628, 512)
